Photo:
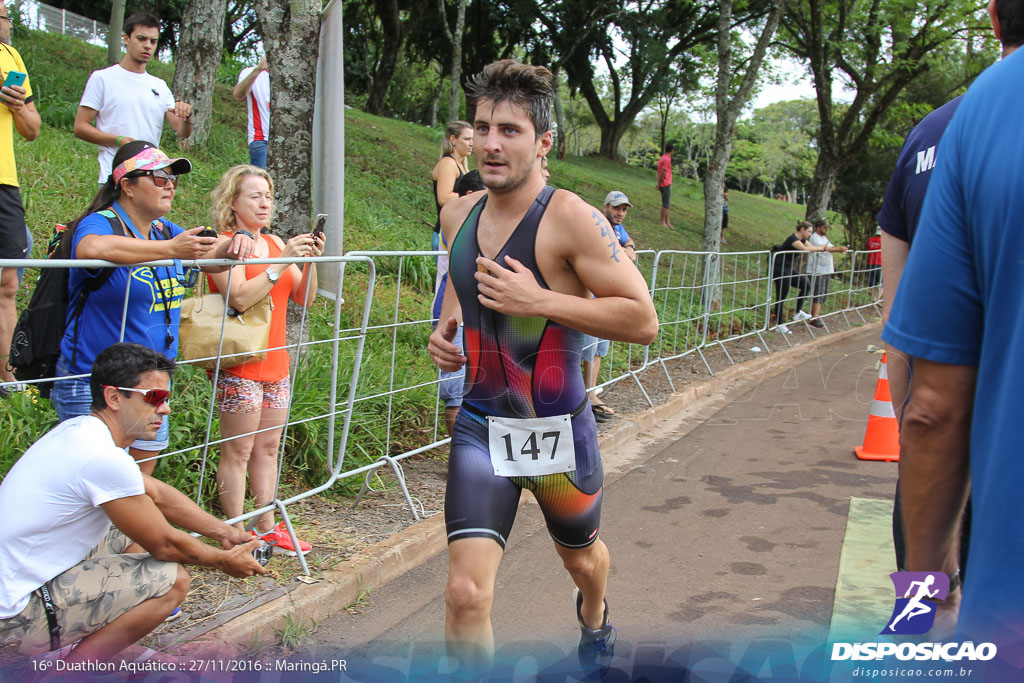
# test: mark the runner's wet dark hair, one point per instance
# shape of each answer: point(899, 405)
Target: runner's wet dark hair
point(529, 87)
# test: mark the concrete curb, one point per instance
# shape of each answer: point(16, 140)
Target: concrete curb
point(389, 559)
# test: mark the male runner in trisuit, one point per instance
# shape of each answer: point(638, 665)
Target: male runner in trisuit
point(524, 260)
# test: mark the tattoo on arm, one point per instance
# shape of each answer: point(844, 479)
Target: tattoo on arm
point(607, 233)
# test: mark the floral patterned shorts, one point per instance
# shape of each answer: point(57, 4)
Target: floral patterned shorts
point(244, 396)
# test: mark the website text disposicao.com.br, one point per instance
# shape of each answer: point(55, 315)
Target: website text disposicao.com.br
point(870, 672)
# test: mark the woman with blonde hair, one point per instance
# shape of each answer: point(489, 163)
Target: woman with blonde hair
point(453, 164)
point(253, 397)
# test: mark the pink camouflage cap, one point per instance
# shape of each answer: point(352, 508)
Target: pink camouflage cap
point(151, 159)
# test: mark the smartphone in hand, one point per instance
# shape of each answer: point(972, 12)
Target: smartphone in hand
point(15, 78)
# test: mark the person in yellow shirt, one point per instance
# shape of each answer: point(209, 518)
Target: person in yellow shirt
point(20, 110)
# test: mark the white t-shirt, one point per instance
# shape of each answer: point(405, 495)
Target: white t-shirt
point(50, 503)
point(128, 104)
point(820, 263)
point(258, 104)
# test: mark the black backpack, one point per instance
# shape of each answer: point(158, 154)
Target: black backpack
point(35, 345)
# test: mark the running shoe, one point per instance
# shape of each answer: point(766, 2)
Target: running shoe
point(782, 329)
point(800, 315)
point(174, 616)
point(816, 323)
point(596, 646)
point(282, 541)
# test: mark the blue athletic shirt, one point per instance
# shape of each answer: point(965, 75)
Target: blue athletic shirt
point(100, 322)
point(901, 209)
point(961, 301)
point(621, 234)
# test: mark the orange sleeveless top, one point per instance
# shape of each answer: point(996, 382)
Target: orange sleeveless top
point(275, 366)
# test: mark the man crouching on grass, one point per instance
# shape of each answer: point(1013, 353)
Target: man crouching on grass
point(90, 554)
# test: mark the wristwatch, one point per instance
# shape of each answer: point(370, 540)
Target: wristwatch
point(272, 275)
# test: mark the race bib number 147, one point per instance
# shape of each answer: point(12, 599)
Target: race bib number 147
point(531, 447)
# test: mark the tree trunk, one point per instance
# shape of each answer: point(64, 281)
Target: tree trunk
point(611, 136)
point(435, 102)
point(391, 27)
point(195, 69)
point(825, 174)
point(560, 132)
point(291, 37)
point(455, 101)
point(727, 110)
point(114, 32)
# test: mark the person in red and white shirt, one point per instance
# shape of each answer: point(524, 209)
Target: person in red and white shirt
point(254, 87)
point(875, 265)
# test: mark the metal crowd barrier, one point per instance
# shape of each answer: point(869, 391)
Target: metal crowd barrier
point(703, 299)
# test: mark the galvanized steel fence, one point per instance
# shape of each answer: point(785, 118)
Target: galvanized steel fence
point(703, 300)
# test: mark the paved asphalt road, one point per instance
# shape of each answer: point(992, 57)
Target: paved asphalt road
point(727, 534)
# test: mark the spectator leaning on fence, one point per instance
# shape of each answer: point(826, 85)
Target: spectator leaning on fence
point(616, 204)
point(254, 396)
point(254, 87)
point(125, 102)
point(125, 224)
point(88, 533)
point(820, 268)
point(784, 274)
point(451, 384)
point(19, 112)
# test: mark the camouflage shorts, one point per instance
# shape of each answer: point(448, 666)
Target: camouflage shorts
point(90, 595)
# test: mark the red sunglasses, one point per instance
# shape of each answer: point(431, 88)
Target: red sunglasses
point(154, 397)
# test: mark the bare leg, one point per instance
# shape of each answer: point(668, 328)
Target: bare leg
point(589, 570)
point(234, 460)
point(472, 567)
point(815, 309)
point(136, 623)
point(263, 464)
point(8, 318)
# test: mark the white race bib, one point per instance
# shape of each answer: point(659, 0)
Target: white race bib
point(531, 447)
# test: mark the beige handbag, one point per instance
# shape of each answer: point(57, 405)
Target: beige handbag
point(246, 334)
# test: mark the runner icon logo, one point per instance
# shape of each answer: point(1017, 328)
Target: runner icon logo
point(917, 597)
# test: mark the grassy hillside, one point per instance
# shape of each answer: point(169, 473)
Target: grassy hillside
point(388, 202)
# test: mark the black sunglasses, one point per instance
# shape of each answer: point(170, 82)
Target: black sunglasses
point(161, 177)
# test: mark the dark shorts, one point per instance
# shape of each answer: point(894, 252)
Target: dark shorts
point(13, 242)
point(874, 275)
point(666, 196)
point(480, 504)
point(819, 286)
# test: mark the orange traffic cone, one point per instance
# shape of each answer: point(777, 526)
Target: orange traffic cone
point(882, 438)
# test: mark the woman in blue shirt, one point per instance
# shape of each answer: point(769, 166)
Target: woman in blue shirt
point(125, 224)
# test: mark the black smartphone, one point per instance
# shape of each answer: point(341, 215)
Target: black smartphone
point(207, 232)
point(319, 223)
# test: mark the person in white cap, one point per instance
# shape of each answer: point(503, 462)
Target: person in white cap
point(616, 204)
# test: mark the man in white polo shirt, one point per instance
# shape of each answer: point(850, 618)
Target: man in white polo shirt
point(254, 87)
point(123, 103)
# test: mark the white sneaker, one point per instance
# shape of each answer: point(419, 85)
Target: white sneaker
point(782, 329)
point(800, 315)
